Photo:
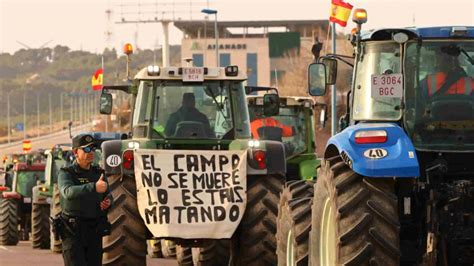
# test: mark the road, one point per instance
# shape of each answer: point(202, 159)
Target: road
point(24, 255)
point(44, 142)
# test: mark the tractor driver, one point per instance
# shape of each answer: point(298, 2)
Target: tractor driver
point(258, 120)
point(188, 113)
point(450, 78)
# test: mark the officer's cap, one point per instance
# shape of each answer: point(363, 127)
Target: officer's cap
point(82, 140)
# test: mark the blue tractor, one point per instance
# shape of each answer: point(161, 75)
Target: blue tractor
point(396, 186)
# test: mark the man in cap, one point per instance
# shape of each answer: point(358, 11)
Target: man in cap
point(188, 113)
point(84, 201)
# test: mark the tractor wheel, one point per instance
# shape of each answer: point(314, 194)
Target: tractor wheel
point(126, 245)
point(55, 209)
point(154, 248)
point(354, 218)
point(294, 223)
point(255, 242)
point(214, 253)
point(168, 248)
point(40, 226)
point(9, 235)
point(184, 256)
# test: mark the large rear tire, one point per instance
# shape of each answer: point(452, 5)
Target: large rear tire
point(40, 226)
point(55, 209)
point(255, 243)
point(154, 248)
point(214, 253)
point(126, 245)
point(168, 248)
point(9, 235)
point(294, 223)
point(354, 218)
point(184, 256)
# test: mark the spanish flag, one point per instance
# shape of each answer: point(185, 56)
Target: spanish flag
point(98, 79)
point(340, 12)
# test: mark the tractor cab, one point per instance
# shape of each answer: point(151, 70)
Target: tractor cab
point(293, 125)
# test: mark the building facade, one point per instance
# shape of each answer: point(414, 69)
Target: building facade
point(259, 48)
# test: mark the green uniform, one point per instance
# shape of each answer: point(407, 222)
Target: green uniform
point(82, 241)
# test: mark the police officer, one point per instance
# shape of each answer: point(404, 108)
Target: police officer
point(84, 201)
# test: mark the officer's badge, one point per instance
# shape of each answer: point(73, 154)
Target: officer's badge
point(88, 138)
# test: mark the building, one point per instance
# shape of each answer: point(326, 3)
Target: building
point(259, 48)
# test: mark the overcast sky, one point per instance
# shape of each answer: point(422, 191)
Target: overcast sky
point(81, 24)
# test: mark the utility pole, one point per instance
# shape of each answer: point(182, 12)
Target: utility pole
point(8, 116)
point(50, 114)
point(24, 115)
point(37, 115)
point(333, 88)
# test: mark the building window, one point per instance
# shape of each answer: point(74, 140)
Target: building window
point(224, 60)
point(252, 78)
point(198, 60)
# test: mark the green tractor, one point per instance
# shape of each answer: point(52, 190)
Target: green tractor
point(190, 171)
point(294, 126)
point(15, 201)
point(46, 198)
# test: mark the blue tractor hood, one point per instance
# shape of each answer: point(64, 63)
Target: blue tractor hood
point(399, 159)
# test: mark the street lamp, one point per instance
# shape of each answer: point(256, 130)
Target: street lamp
point(214, 12)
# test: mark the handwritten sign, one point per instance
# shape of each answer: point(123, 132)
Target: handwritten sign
point(191, 194)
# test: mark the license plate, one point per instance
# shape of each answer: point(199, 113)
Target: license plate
point(193, 74)
point(387, 86)
point(27, 200)
point(48, 200)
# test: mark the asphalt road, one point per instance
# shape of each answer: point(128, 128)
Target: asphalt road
point(44, 142)
point(24, 255)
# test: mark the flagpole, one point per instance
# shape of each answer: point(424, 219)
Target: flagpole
point(333, 88)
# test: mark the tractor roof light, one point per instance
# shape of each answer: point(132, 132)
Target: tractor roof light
point(232, 71)
point(128, 49)
point(153, 70)
point(370, 136)
point(359, 16)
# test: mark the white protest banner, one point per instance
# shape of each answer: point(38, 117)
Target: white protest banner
point(191, 194)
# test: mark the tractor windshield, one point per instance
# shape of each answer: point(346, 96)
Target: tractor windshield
point(439, 84)
point(376, 58)
point(290, 123)
point(209, 110)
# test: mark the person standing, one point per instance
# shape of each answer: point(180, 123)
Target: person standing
point(84, 201)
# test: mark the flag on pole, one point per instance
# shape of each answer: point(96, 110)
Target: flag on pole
point(98, 79)
point(340, 12)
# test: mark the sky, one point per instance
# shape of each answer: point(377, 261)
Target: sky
point(82, 24)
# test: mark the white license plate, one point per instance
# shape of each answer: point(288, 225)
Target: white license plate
point(193, 74)
point(387, 86)
point(48, 200)
point(27, 200)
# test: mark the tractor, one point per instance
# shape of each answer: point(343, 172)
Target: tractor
point(15, 201)
point(396, 184)
point(294, 126)
point(189, 171)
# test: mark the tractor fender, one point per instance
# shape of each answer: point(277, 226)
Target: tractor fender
point(37, 198)
point(275, 159)
point(394, 158)
point(111, 163)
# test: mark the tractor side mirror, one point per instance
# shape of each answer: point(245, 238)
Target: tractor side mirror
point(105, 103)
point(271, 104)
point(317, 79)
point(331, 70)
